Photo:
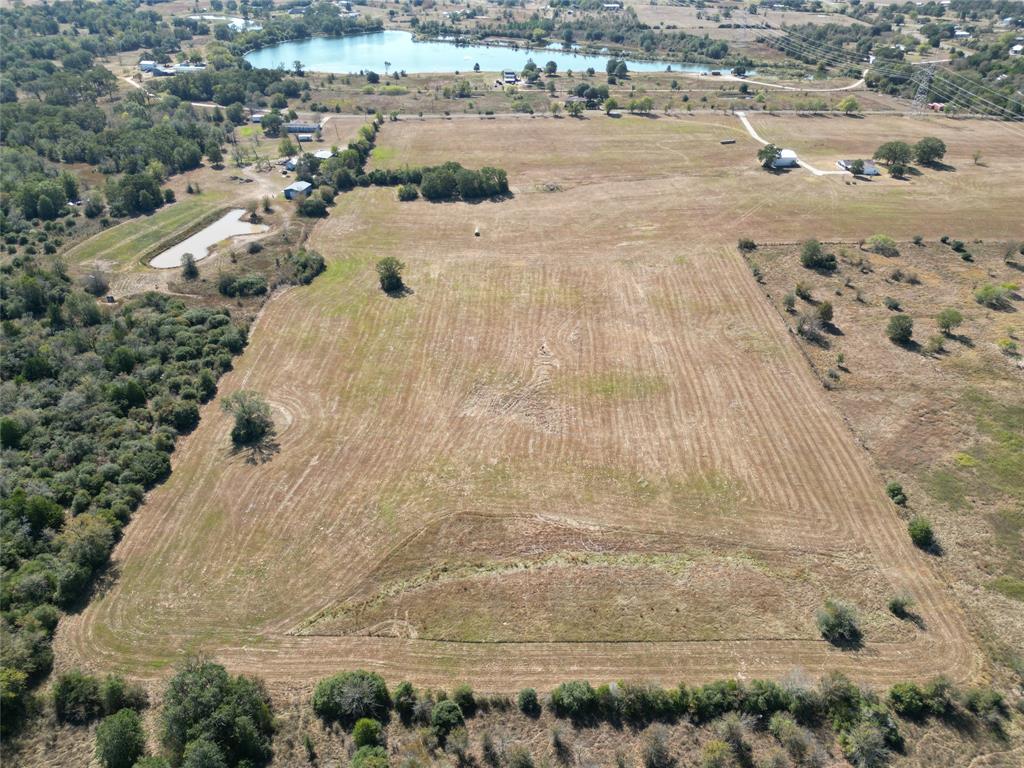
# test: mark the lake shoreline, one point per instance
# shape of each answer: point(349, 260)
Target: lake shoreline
point(635, 59)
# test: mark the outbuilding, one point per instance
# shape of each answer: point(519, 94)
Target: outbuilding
point(297, 126)
point(297, 189)
point(147, 65)
point(786, 159)
point(323, 154)
point(870, 169)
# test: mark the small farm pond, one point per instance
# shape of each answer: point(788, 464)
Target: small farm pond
point(227, 226)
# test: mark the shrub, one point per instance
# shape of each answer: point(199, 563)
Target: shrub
point(901, 605)
point(576, 700)
point(900, 329)
point(120, 740)
point(837, 623)
point(825, 312)
point(370, 757)
point(907, 700)
point(791, 736)
point(519, 757)
point(764, 698)
point(313, 207)
point(813, 256)
point(992, 296)
point(948, 319)
point(716, 754)
point(438, 184)
point(864, 746)
point(350, 696)
point(389, 273)
point(891, 303)
point(789, 301)
point(368, 732)
point(934, 345)
point(117, 694)
point(528, 703)
point(715, 699)
point(918, 239)
point(883, 245)
point(921, 533)
point(405, 702)
point(463, 696)
point(76, 697)
point(895, 492)
point(746, 244)
point(655, 751)
point(841, 700)
point(242, 285)
point(407, 193)
point(986, 704)
point(446, 717)
point(803, 290)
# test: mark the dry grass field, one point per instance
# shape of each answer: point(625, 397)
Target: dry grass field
point(584, 445)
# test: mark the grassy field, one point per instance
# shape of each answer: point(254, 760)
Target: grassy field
point(584, 445)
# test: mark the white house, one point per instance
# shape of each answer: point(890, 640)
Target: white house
point(870, 169)
point(1017, 50)
point(509, 77)
point(786, 159)
point(323, 154)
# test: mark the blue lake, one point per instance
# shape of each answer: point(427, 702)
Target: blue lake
point(393, 50)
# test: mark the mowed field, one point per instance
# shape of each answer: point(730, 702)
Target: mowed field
point(583, 445)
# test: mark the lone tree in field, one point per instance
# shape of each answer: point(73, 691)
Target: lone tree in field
point(767, 155)
point(252, 417)
point(894, 153)
point(848, 105)
point(389, 271)
point(814, 256)
point(929, 150)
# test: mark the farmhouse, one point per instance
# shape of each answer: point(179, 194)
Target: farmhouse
point(297, 189)
point(786, 159)
point(297, 126)
point(870, 169)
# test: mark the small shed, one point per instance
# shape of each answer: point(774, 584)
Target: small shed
point(323, 154)
point(509, 77)
point(304, 137)
point(146, 65)
point(297, 189)
point(786, 159)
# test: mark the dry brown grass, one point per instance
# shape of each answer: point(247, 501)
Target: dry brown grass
point(588, 415)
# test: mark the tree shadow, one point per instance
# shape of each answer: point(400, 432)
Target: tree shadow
point(399, 293)
point(832, 330)
point(260, 451)
point(960, 338)
point(938, 165)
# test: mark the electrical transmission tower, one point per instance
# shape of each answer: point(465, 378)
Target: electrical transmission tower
point(924, 82)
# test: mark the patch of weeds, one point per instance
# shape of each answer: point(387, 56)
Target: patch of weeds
point(1008, 586)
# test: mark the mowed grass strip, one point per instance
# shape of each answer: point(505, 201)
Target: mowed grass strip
point(123, 244)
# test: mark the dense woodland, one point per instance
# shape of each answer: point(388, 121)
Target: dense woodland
point(93, 401)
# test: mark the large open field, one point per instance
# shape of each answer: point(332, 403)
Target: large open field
point(584, 445)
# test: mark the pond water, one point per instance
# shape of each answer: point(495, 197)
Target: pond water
point(395, 50)
point(227, 226)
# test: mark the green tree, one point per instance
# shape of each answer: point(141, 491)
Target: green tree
point(848, 105)
point(900, 329)
point(948, 320)
point(528, 702)
point(929, 150)
point(921, 533)
point(120, 740)
point(445, 717)
point(370, 757)
point(214, 155)
point(389, 273)
point(76, 697)
point(814, 256)
point(252, 417)
point(767, 155)
point(894, 153)
point(350, 696)
point(189, 270)
point(610, 104)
